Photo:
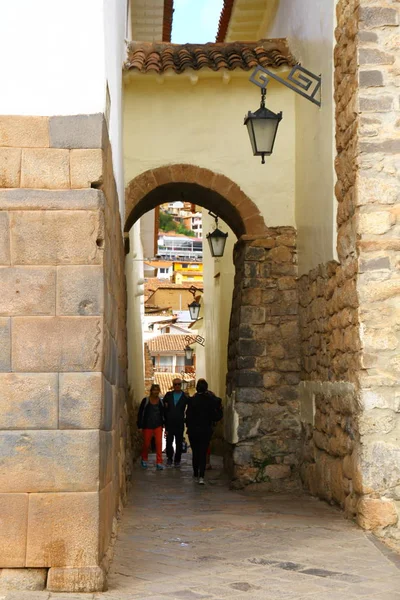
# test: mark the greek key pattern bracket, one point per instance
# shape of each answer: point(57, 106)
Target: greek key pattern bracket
point(198, 339)
point(299, 80)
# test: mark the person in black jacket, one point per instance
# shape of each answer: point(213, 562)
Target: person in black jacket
point(175, 403)
point(151, 419)
point(203, 410)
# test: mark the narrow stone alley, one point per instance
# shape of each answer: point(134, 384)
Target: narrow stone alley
point(180, 540)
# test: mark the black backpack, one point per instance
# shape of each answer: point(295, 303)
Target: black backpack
point(218, 411)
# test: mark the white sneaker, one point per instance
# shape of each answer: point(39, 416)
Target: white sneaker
point(201, 480)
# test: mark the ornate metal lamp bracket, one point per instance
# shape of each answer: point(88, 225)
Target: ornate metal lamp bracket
point(299, 80)
point(198, 339)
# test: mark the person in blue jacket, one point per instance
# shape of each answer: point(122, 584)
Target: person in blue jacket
point(175, 403)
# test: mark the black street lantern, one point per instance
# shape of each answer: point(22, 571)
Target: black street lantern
point(216, 239)
point(262, 126)
point(188, 353)
point(194, 309)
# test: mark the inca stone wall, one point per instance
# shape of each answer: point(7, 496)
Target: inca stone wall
point(63, 417)
point(350, 348)
point(262, 414)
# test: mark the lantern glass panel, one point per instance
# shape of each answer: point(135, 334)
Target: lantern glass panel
point(217, 241)
point(264, 135)
point(194, 310)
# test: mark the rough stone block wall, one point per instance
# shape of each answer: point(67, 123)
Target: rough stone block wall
point(330, 351)
point(63, 419)
point(263, 362)
point(351, 351)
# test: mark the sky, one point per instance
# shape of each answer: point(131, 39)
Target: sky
point(195, 21)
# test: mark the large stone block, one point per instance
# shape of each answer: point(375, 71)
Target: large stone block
point(373, 513)
point(56, 237)
point(28, 401)
point(108, 405)
point(45, 168)
point(80, 403)
point(13, 527)
point(65, 343)
point(27, 291)
point(25, 199)
point(80, 290)
point(77, 131)
point(376, 16)
point(49, 461)
point(107, 514)
point(63, 530)
point(86, 168)
point(376, 222)
point(10, 167)
point(106, 458)
point(379, 466)
point(24, 132)
point(5, 344)
point(4, 239)
point(252, 315)
point(23, 579)
point(86, 579)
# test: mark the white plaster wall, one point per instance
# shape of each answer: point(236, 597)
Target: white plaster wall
point(200, 351)
point(177, 122)
point(135, 313)
point(309, 26)
point(115, 24)
point(219, 276)
point(147, 232)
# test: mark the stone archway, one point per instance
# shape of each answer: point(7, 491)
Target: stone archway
point(262, 414)
point(223, 196)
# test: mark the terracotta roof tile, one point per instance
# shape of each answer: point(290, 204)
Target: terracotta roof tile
point(168, 342)
point(167, 23)
point(147, 57)
point(165, 380)
point(224, 19)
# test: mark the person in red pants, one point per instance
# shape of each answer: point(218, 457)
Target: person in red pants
point(150, 421)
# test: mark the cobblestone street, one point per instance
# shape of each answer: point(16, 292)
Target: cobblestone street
point(179, 540)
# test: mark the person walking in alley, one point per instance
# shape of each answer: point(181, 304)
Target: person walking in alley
point(175, 403)
point(204, 409)
point(151, 418)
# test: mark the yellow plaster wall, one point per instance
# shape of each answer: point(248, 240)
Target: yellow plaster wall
point(202, 124)
point(309, 27)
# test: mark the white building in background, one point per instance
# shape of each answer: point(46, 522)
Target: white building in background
point(177, 246)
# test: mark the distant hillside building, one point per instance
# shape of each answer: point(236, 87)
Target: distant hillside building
point(194, 223)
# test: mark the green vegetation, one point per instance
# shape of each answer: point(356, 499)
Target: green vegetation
point(167, 223)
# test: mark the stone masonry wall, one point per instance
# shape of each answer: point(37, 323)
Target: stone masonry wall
point(350, 364)
point(378, 243)
point(263, 362)
point(63, 418)
point(330, 351)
